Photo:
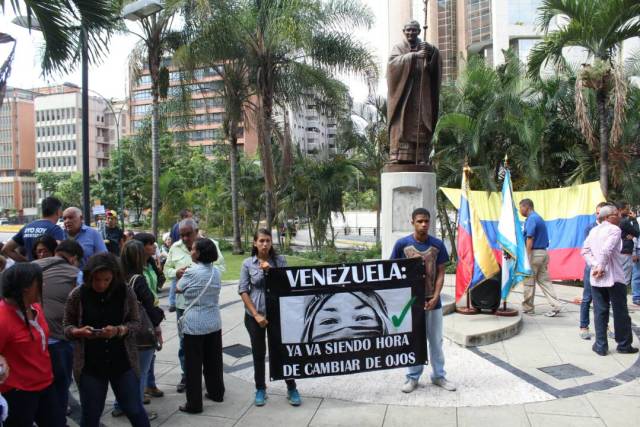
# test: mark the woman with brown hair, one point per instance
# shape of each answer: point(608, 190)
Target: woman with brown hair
point(102, 316)
point(252, 291)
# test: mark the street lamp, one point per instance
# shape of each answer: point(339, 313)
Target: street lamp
point(137, 10)
point(116, 118)
point(141, 9)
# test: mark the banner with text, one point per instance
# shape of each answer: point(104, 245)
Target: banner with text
point(344, 319)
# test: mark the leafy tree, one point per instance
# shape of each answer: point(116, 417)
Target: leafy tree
point(65, 186)
point(231, 67)
point(136, 182)
point(599, 27)
point(49, 181)
point(293, 47)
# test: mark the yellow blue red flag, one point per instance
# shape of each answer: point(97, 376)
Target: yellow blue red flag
point(476, 262)
point(566, 211)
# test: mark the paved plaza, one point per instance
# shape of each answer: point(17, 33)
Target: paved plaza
point(546, 375)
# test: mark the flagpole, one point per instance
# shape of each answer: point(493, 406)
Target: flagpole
point(468, 309)
point(505, 311)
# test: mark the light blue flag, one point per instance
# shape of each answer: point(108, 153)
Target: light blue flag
point(516, 267)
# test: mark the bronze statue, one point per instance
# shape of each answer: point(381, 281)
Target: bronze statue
point(414, 76)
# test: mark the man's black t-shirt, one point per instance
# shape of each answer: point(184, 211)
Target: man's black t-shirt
point(114, 236)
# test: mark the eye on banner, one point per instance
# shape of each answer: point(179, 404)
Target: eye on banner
point(345, 319)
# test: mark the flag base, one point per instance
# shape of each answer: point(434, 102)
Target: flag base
point(467, 310)
point(504, 311)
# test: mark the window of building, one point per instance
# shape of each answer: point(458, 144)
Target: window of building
point(523, 12)
point(141, 95)
point(523, 47)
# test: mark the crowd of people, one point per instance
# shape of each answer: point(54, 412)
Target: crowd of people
point(82, 304)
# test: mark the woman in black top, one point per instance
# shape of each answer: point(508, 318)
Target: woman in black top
point(102, 316)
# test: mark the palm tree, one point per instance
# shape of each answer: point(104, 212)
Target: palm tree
point(293, 47)
point(599, 27)
point(230, 65)
point(59, 21)
point(158, 39)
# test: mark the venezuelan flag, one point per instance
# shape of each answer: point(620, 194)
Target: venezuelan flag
point(476, 262)
point(567, 212)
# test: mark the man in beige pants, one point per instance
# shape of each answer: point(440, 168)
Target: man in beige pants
point(537, 239)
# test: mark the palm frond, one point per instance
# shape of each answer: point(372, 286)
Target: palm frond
point(346, 14)
point(60, 22)
point(342, 54)
point(573, 9)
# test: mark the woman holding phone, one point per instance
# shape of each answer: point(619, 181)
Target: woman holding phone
point(252, 291)
point(102, 316)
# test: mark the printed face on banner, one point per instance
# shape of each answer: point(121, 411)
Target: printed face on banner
point(344, 319)
point(344, 315)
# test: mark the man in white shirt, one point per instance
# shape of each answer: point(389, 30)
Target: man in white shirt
point(601, 252)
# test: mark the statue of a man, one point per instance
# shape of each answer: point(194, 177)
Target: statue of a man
point(414, 76)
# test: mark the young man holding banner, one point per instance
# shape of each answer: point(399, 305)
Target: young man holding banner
point(433, 250)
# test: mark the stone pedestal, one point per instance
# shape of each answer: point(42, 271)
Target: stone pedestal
point(402, 192)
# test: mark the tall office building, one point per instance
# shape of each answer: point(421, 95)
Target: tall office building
point(485, 27)
point(204, 127)
point(460, 27)
point(59, 130)
point(17, 153)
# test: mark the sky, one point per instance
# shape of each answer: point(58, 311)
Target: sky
point(109, 78)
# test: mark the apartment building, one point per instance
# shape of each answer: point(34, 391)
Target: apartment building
point(312, 131)
point(204, 126)
point(58, 126)
point(17, 153)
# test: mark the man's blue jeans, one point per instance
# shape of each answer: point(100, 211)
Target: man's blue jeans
point(586, 299)
point(433, 320)
point(172, 293)
point(126, 387)
point(616, 298)
point(635, 283)
point(61, 354)
point(145, 357)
